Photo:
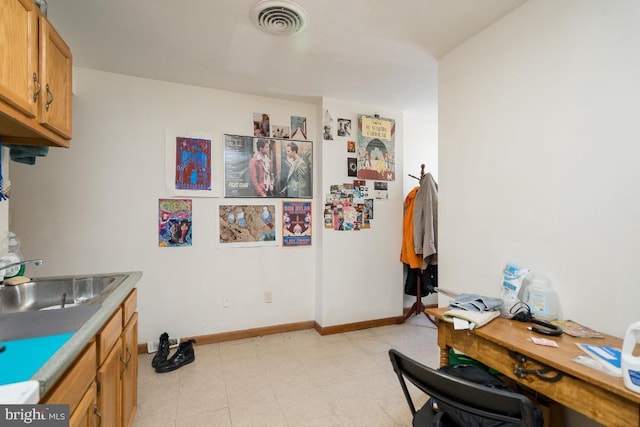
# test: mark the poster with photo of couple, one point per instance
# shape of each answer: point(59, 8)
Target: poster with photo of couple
point(267, 167)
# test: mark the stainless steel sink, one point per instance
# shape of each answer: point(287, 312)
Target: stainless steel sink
point(49, 292)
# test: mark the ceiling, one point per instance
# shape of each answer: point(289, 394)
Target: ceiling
point(378, 52)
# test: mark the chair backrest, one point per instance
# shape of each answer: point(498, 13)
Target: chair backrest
point(472, 398)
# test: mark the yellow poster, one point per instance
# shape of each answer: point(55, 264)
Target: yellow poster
point(376, 148)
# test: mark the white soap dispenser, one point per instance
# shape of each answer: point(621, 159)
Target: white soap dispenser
point(11, 254)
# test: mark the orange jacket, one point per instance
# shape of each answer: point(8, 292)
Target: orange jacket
point(407, 253)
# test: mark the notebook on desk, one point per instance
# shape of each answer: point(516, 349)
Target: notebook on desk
point(475, 318)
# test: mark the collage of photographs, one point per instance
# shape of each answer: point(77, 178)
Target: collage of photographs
point(370, 156)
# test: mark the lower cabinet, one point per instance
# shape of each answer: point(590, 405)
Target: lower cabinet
point(130, 373)
point(110, 386)
point(101, 386)
point(86, 413)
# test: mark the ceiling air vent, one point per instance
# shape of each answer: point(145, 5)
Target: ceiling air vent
point(279, 16)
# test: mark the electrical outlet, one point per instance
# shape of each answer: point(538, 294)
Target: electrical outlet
point(226, 302)
point(268, 297)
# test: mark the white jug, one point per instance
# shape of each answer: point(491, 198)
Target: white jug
point(631, 364)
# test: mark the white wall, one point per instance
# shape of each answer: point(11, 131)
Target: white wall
point(361, 270)
point(421, 148)
point(93, 208)
point(538, 123)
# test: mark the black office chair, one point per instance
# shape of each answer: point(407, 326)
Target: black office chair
point(458, 402)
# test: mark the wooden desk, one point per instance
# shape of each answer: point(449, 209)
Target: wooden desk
point(599, 396)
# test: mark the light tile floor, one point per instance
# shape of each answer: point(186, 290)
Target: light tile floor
point(293, 379)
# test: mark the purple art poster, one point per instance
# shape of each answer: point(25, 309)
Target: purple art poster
point(174, 222)
point(193, 164)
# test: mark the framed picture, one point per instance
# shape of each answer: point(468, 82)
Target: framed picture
point(267, 167)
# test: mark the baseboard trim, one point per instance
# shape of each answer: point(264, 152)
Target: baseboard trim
point(288, 327)
point(245, 333)
point(350, 327)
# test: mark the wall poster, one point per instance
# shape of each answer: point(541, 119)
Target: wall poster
point(267, 167)
point(296, 224)
point(188, 163)
point(247, 225)
point(298, 127)
point(174, 222)
point(376, 148)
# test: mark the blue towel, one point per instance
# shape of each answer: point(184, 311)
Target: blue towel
point(474, 302)
point(26, 153)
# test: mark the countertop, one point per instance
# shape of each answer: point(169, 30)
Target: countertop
point(57, 364)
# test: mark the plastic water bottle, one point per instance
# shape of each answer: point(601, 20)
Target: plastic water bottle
point(542, 300)
point(631, 364)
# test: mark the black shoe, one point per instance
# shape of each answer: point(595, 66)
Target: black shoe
point(163, 351)
point(183, 356)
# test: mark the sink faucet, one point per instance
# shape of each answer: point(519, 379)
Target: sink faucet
point(3, 268)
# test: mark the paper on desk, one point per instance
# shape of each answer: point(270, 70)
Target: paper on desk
point(460, 324)
point(544, 341)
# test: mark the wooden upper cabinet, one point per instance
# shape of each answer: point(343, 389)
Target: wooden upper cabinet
point(55, 73)
point(35, 78)
point(19, 55)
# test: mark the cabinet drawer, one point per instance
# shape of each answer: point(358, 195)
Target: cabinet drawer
point(129, 306)
point(74, 383)
point(108, 335)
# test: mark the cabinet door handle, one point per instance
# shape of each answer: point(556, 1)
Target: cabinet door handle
point(38, 87)
point(96, 411)
point(128, 358)
point(125, 364)
point(49, 98)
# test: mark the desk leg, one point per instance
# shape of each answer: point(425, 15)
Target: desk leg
point(443, 331)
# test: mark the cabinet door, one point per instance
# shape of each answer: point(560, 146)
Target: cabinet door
point(109, 382)
point(19, 55)
point(55, 74)
point(73, 384)
point(130, 374)
point(86, 414)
